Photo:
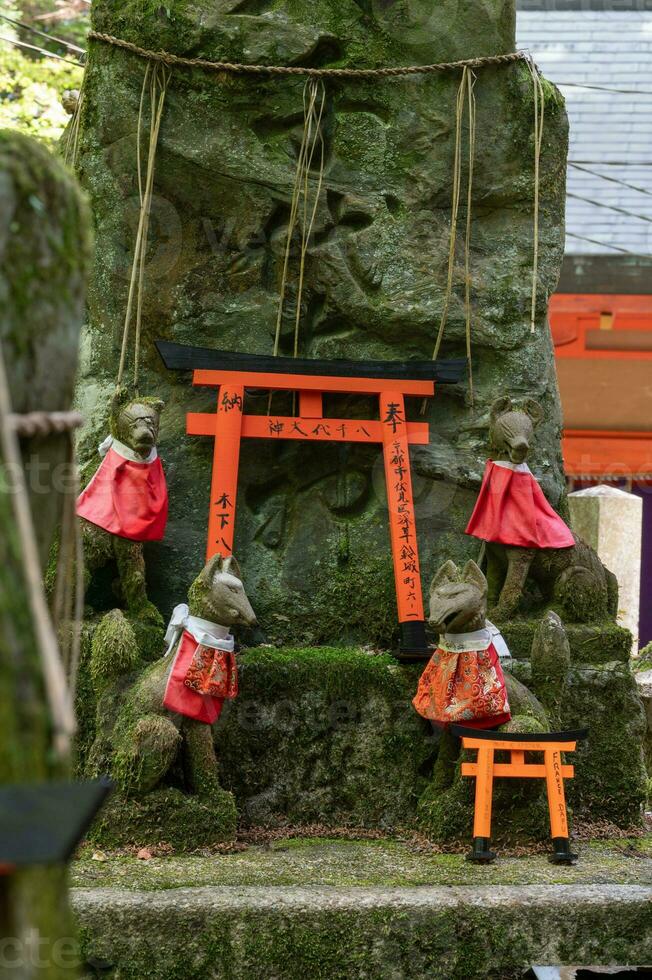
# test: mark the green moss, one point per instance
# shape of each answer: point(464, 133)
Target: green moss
point(356, 595)
point(324, 735)
point(589, 644)
point(610, 776)
point(114, 650)
point(165, 816)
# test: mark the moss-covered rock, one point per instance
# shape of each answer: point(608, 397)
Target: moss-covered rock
point(594, 643)
point(324, 735)
point(165, 816)
point(329, 735)
point(312, 520)
point(334, 911)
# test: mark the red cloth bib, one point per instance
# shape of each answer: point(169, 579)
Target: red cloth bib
point(127, 498)
point(464, 689)
point(511, 509)
point(196, 671)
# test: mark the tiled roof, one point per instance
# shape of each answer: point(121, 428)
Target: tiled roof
point(611, 132)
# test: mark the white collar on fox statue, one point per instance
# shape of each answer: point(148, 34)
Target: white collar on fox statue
point(516, 467)
point(119, 447)
point(475, 642)
point(202, 630)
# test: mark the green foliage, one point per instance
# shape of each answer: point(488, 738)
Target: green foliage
point(31, 91)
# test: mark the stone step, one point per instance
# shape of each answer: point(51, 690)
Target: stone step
point(318, 908)
point(453, 933)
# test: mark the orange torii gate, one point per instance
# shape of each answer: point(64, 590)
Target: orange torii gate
point(486, 768)
point(231, 374)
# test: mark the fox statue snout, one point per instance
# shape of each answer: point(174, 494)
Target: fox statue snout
point(458, 600)
point(218, 594)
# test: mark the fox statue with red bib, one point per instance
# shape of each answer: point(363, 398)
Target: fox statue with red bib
point(126, 501)
point(526, 540)
point(165, 711)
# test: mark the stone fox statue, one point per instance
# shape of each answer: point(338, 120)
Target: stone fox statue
point(154, 724)
point(125, 502)
point(525, 538)
point(463, 682)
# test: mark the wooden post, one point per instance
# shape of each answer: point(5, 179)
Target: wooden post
point(226, 463)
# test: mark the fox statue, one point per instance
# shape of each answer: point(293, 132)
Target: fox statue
point(165, 711)
point(526, 540)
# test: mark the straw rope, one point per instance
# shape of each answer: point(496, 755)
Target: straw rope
point(33, 424)
point(233, 68)
point(539, 107)
point(72, 141)
point(470, 80)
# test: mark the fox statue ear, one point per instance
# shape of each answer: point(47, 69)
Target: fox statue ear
point(447, 573)
point(213, 565)
point(231, 567)
point(534, 410)
point(122, 396)
point(473, 575)
point(499, 407)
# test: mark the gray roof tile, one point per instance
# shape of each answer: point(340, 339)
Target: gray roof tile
point(611, 132)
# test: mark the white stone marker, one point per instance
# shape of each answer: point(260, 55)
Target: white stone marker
point(611, 521)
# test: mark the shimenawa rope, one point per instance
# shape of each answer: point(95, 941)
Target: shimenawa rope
point(235, 68)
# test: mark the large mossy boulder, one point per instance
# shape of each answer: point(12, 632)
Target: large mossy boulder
point(312, 519)
point(329, 737)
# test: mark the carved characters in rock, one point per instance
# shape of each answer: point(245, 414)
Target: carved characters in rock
point(125, 502)
point(147, 727)
point(463, 682)
point(526, 540)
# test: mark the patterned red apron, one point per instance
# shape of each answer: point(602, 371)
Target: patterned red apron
point(463, 683)
point(204, 672)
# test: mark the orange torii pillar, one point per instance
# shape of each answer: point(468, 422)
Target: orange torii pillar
point(391, 382)
point(485, 769)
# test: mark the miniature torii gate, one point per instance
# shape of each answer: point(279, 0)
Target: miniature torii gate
point(390, 381)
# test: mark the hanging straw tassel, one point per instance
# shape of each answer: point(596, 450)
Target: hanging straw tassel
point(307, 224)
point(464, 92)
point(455, 206)
point(471, 79)
point(68, 605)
point(539, 107)
point(71, 150)
point(314, 92)
point(158, 78)
point(312, 136)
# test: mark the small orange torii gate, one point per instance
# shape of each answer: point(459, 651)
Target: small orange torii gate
point(486, 768)
point(231, 374)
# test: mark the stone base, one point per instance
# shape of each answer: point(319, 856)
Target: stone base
point(346, 909)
